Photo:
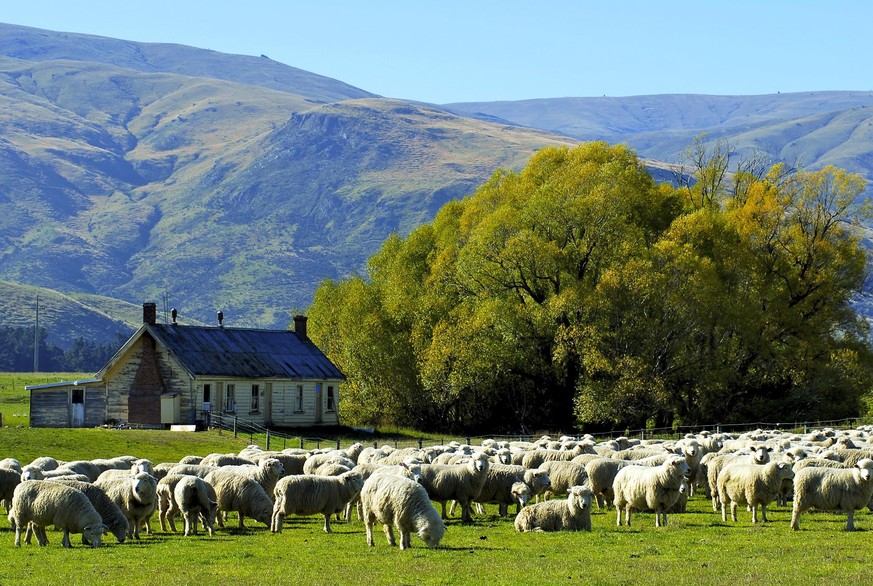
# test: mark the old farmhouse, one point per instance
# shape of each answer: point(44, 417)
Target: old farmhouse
point(169, 374)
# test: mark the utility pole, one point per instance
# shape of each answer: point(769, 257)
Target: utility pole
point(36, 339)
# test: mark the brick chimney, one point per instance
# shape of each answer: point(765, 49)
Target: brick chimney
point(149, 313)
point(300, 326)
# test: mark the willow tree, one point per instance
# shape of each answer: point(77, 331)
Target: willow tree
point(578, 291)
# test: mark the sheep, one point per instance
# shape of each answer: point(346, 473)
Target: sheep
point(572, 514)
point(191, 460)
point(136, 496)
point(399, 502)
point(563, 475)
point(162, 469)
point(43, 503)
point(11, 464)
point(198, 470)
point(191, 496)
point(225, 460)
point(84, 467)
point(460, 482)
point(309, 494)
point(266, 473)
point(500, 486)
point(292, 463)
point(601, 474)
point(757, 455)
point(113, 517)
point(649, 488)
point(410, 469)
point(833, 489)
point(752, 485)
point(9, 479)
point(316, 462)
point(534, 458)
point(240, 494)
point(136, 467)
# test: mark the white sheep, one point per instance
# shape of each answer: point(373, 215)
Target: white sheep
point(266, 473)
point(11, 464)
point(135, 495)
point(601, 474)
point(757, 454)
point(191, 496)
point(570, 514)
point(501, 488)
point(752, 485)
point(310, 494)
point(198, 470)
point(316, 463)
point(400, 502)
point(37, 504)
point(563, 475)
point(833, 489)
point(113, 517)
point(649, 488)
point(240, 494)
point(225, 460)
point(460, 482)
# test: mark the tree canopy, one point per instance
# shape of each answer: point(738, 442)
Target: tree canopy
point(579, 292)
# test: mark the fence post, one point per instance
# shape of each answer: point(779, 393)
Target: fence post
point(268, 439)
point(234, 426)
point(301, 442)
point(337, 444)
point(419, 442)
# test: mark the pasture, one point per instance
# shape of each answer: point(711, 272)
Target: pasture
point(695, 548)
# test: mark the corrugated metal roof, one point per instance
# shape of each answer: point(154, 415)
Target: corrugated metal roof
point(247, 353)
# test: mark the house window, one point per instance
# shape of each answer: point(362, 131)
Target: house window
point(207, 393)
point(230, 398)
point(298, 402)
point(331, 402)
point(78, 396)
point(255, 398)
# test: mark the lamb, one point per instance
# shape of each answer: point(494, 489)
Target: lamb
point(113, 517)
point(136, 496)
point(460, 482)
point(240, 494)
point(649, 488)
point(833, 489)
point(399, 502)
point(563, 475)
point(310, 494)
point(44, 503)
point(572, 514)
point(191, 496)
point(752, 485)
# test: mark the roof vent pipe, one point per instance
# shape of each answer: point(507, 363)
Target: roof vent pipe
point(220, 319)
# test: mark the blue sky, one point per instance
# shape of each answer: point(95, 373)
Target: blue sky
point(483, 50)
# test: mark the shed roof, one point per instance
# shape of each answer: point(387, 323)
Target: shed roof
point(247, 353)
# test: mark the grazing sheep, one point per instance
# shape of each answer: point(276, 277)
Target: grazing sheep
point(43, 503)
point(113, 517)
point(572, 514)
point(9, 479)
point(752, 485)
point(292, 463)
point(225, 460)
point(563, 475)
point(460, 482)
point(649, 488)
point(136, 496)
point(240, 494)
point(316, 463)
point(191, 496)
point(191, 460)
point(501, 488)
point(833, 489)
point(310, 494)
point(399, 502)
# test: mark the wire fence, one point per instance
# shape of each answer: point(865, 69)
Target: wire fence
point(272, 439)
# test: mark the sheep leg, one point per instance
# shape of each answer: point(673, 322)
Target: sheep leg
point(618, 515)
point(28, 534)
point(850, 520)
point(452, 508)
point(276, 522)
point(240, 518)
point(368, 529)
point(444, 510)
point(795, 517)
point(18, 536)
point(734, 511)
point(404, 539)
point(389, 533)
point(327, 523)
point(65, 540)
point(627, 514)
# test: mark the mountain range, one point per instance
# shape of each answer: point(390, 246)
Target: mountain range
point(134, 172)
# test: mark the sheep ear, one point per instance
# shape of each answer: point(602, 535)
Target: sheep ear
point(769, 449)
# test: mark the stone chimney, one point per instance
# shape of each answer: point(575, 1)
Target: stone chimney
point(149, 313)
point(300, 326)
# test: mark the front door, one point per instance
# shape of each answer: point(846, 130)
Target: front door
point(77, 408)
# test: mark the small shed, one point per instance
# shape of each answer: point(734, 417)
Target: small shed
point(180, 374)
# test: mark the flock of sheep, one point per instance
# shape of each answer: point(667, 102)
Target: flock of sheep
point(826, 470)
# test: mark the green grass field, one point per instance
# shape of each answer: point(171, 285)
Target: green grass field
point(695, 548)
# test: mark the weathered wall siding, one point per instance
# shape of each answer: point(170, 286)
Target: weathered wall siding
point(284, 410)
point(95, 406)
point(177, 380)
point(50, 408)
